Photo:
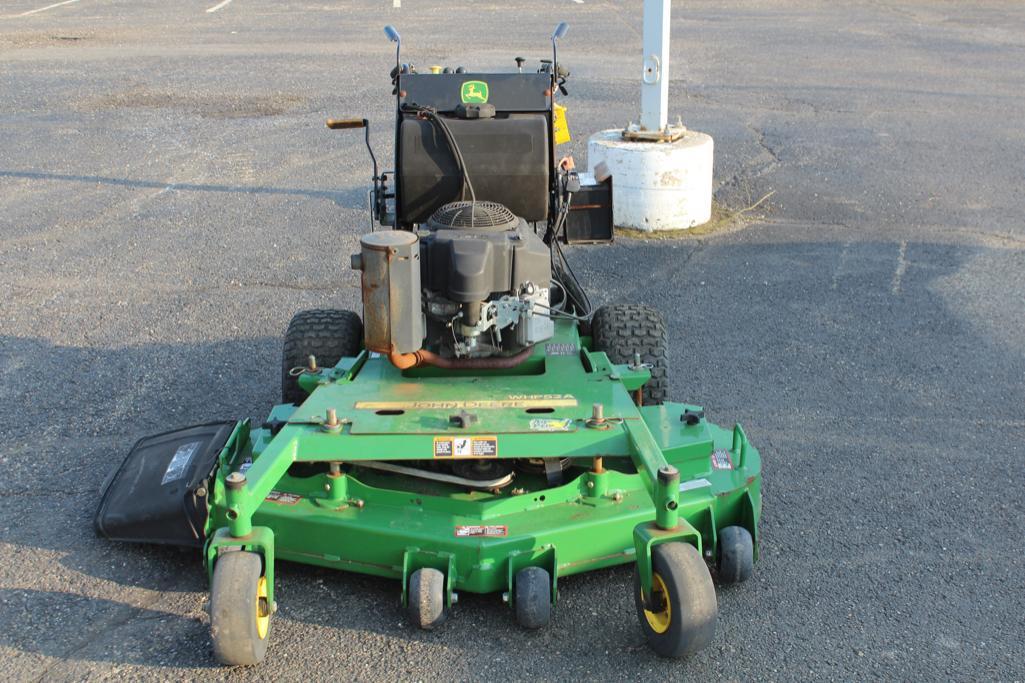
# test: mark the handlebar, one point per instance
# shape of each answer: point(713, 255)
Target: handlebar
point(342, 124)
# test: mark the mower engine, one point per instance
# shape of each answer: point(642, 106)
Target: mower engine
point(486, 279)
point(473, 282)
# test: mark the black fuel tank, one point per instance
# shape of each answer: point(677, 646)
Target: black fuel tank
point(506, 159)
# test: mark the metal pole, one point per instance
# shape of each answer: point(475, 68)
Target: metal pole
point(655, 76)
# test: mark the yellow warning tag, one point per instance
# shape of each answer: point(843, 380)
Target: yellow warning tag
point(559, 125)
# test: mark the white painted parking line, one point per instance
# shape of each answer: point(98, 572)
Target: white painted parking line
point(902, 266)
point(43, 9)
point(579, 2)
point(218, 6)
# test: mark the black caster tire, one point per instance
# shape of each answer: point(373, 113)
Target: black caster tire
point(426, 606)
point(327, 334)
point(735, 555)
point(533, 597)
point(686, 610)
point(240, 614)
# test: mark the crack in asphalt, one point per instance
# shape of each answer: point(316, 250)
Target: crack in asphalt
point(755, 167)
point(760, 139)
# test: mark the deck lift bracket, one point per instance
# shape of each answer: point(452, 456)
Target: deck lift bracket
point(662, 481)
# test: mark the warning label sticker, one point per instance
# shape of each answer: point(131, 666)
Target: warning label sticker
point(694, 484)
point(465, 446)
point(182, 457)
point(283, 498)
point(550, 425)
point(489, 531)
point(721, 459)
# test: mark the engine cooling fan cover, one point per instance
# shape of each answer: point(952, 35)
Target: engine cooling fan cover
point(489, 216)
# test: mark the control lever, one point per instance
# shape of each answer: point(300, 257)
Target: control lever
point(345, 124)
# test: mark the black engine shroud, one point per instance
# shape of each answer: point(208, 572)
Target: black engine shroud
point(469, 264)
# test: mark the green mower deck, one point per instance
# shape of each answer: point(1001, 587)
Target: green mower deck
point(642, 475)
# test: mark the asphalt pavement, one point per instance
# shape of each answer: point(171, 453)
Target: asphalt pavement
point(169, 196)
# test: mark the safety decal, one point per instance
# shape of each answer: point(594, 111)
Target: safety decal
point(561, 349)
point(560, 127)
point(694, 484)
point(465, 446)
point(488, 531)
point(721, 459)
point(180, 461)
point(283, 498)
point(550, 425)
point(474, 92)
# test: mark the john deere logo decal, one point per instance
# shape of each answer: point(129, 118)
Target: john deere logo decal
point(474, 92)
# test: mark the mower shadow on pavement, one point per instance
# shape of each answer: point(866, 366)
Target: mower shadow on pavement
point(310, 597)
point(67, 641)
point(53, 475)
point(346, 198)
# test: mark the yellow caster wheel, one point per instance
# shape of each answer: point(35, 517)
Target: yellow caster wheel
point(684, 610)
point(240, 613)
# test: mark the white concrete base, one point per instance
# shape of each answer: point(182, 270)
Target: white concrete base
point(656, 185)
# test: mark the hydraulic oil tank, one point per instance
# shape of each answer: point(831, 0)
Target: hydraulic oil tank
point(392, 315)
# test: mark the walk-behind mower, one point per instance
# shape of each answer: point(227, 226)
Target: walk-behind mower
point(481, 428)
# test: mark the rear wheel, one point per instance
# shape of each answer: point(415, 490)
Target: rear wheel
point(621, 330)
point(327, 334)
point(683, 610)
point(240, 613)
